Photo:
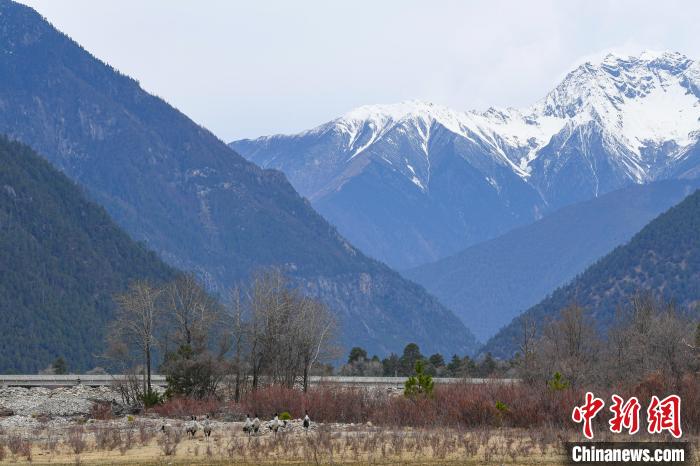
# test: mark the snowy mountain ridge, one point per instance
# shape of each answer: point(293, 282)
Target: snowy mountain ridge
point(413, 181)
point(640, 102)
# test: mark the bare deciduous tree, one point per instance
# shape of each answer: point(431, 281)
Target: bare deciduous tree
point(238, 340)
point(193, 320)
point(528, 345)
point(191, 310)
point(669, 355)
point(568, 345)
point(649, 336)
point(273, 330)
point(315, 330)
point(284, 333)
point(135, 324)
point(265, 301)
point(645, 339)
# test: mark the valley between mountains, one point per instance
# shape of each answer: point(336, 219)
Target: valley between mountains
point(412, 221)
point(493, 210)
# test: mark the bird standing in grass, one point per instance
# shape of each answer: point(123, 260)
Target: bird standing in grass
point(191, 426)
point(256, 424)
point(307, 421)
point(248, 426)
point(206, 427)
point(275, 424)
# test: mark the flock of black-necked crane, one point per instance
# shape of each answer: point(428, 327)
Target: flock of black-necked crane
point(250, 427)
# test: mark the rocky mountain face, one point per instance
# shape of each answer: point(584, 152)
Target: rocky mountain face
point(173, 185)
point(410, 183)
point(490, 283)
point(662, 259)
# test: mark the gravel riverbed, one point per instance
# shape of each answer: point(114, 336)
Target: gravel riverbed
point(58, 402)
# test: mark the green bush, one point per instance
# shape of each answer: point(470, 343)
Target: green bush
point(502, 410)
point(420, 384)
point(151, 398)
point(285, 416)
point(191, 374)
point(502, 407)
point(558, 382)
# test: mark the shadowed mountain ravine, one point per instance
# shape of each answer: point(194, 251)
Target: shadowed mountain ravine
point(492, 282)
point(662, 259)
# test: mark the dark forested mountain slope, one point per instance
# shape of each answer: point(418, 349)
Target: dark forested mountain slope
point(61, 260)
point(490, 283)
point(202, 207)
point(663, 258)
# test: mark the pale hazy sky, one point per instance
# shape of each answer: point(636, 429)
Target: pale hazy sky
point(245, 69)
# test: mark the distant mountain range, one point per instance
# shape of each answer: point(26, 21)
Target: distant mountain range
point(61, 261)
point(414, 182)
point(174, 186)
point(662, 259)
point(490, 283)
point(490, 211)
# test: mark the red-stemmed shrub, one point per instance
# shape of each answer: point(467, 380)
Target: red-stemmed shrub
point(185, 407)
point(460, 405)
point(101, 411)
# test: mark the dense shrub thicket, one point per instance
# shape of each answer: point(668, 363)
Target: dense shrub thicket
point(454, 405)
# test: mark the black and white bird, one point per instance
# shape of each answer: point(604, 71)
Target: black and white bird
point(307, 421)
point(256, 424)
point(248, 425)
point(206, 427)
point(191, 426)
point(275, 424)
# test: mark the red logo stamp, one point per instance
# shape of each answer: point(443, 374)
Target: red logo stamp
point(662, 415)
point(587, 412)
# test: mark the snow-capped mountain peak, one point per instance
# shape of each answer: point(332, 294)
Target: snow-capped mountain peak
point(500, 129)
point(639, 103)
point(645, 100)
point(385, 116)
point(649, 99)
point(435, 179)
point(367, 124)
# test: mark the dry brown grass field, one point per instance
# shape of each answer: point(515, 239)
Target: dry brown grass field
point(141, 441)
